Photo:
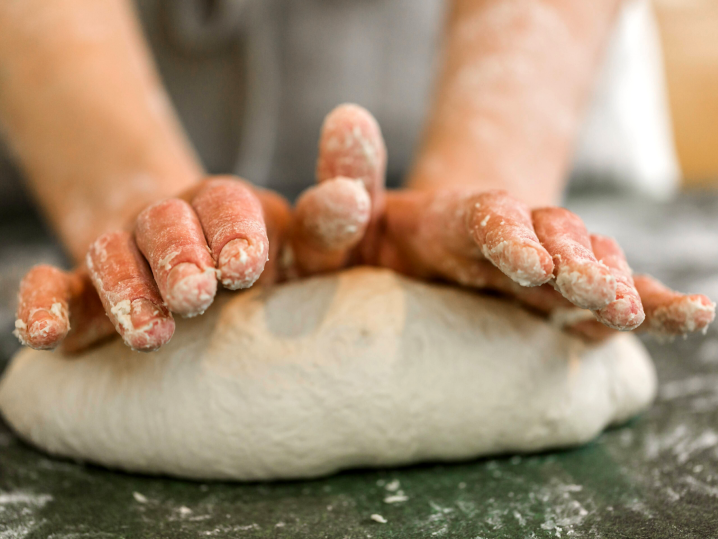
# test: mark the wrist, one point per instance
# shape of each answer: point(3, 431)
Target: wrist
point(450, 168)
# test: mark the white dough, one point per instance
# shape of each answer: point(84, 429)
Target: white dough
point(363, 368)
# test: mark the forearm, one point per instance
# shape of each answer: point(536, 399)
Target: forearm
point(84, 111)
point(514, 80)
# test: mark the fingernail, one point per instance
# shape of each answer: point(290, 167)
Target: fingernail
point(45, 330)
point(241, 263)
point(152, 326)
point(144, 312)
point(190, 290)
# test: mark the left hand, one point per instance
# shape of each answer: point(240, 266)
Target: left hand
point(545, 258)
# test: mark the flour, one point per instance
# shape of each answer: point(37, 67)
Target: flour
point(19, 513)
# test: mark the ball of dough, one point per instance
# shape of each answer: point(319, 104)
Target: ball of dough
point(356, 369)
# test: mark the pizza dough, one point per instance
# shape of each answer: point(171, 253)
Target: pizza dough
point(362, 368)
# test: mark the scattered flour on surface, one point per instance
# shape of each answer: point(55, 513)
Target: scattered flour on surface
point(393, 486)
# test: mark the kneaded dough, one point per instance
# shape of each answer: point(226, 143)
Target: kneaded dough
point(362, 368)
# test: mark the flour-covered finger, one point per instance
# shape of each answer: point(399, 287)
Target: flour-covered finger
point(502, 227)
point(128, 292)
point(582, 279)
point(233, 224)
point(42, 320)
point(672, 313)
point(333, 215)
point(170, 236)
point(351, 146)
point(625, 313)
point(330, 220)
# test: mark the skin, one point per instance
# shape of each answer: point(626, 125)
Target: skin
point(170, 236)
point(626, 310)
point(514, 80)
point(84, 111)
point(128, 293)
point(506, 111)
point(578, 275)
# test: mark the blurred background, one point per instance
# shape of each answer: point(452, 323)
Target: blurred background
point(690, 47)
point(273, 69)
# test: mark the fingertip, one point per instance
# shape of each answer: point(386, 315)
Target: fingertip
point(241, 263)
point(534, 265)
point(588, 285)
point(671, 313)
point(44, 330)
point(703, 301)
point(528, 264)
point(147, 326)
point(42, 319)
point(348, 119)
point(623, 314)
point(351, 145)
point(190, 290)
point(334, 215)
point(233, 222)
point(699, 312)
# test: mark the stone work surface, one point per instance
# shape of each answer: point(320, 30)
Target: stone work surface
point(656, 477)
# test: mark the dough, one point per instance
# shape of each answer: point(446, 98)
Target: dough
point(362, 368)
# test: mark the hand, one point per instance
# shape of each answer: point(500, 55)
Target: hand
point(220, 229)
point(223, 229)
point(545, 257)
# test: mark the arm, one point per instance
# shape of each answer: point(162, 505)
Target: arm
point(86, 115)
point(514, 80)
point(91, 125)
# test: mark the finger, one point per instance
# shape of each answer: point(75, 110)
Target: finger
point(128, 292)
point(90, 324)
point(579, 276)
point(502, 227)
point(625, 313)
point(278, 219)
point(329, 220)
point(234, 227)
point(42, 312)
point(351, 146)
point(469, 271)
point(333, 215)
point(672, 313)
point(170, 236)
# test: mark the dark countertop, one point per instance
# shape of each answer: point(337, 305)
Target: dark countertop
point(656, 477)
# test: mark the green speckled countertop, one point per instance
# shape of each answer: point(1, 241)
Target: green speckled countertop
point(656, 477)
